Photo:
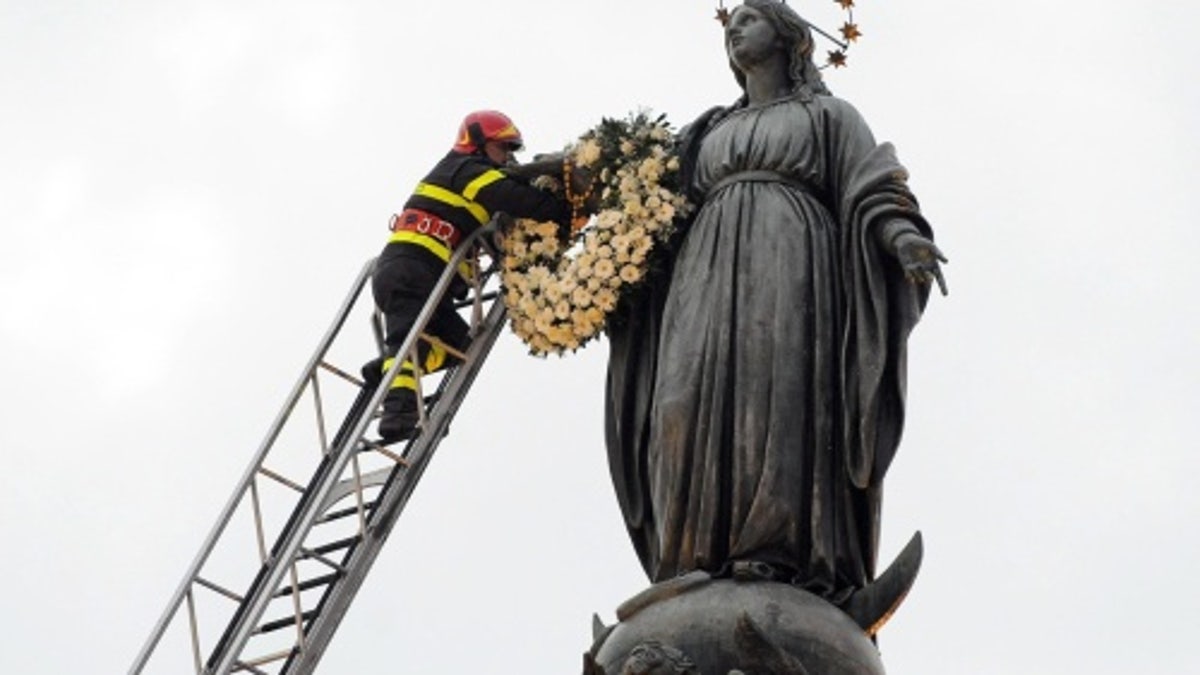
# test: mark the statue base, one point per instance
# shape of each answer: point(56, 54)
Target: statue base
point(696, 625)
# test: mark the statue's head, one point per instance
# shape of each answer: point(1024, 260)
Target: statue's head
point(796, 40)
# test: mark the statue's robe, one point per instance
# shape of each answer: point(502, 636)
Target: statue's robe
point(756, 387)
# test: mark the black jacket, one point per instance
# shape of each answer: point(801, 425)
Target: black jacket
point(466, 190)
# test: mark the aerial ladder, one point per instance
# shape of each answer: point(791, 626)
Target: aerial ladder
point(267, 597)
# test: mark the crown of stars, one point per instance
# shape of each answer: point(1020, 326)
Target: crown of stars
point(849, 30)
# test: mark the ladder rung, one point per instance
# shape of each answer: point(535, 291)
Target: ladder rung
point(369, 445)
point(433, 340)
point(341, 373)
point(315, 582)
point(219, 589)
point(332, 546)
point(285, 622)
point(307, 554)
point(344, 513)
point(253, 663)
point(239, 666)
point(281, 479)
point(490, 295)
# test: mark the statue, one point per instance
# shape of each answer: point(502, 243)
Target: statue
point(755, 393)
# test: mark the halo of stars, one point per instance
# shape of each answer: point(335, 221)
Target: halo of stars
point(849, 31)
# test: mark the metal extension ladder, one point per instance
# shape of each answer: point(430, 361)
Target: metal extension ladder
point(336, 502)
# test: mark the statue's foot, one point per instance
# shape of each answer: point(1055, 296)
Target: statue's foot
point(756, 570)
point(872, 605)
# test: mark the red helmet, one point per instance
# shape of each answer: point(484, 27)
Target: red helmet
point(482, 126)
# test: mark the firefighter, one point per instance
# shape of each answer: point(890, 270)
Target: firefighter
point(461, 193)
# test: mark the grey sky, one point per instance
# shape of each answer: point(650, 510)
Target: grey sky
point(188, 188)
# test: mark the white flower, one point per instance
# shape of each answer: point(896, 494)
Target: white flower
point(604, 269)
point(609, 219)
point(581, 297)
point(527, 306)
point(547, 183)
point(627, 147)
point(650, 170)
point(583, 268)
point(631, 274)
point(587, 153)
point(541, 344)
point(606, 300)
point(581, 323)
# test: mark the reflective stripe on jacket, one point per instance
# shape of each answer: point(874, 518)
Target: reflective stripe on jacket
point(466, 189)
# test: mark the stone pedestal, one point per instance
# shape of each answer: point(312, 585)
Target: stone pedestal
point(698, 626)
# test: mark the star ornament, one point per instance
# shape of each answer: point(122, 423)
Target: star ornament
point(850, 32)
point(722, 15)
point(837, 59)
point(846, 4)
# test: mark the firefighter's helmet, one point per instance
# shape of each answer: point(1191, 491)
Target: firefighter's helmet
point(482, 126)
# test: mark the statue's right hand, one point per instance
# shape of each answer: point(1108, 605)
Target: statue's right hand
point(920, 259)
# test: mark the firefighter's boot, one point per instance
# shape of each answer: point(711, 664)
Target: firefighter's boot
point(400, 415)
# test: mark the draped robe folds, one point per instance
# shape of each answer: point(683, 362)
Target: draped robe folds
point(755, 393)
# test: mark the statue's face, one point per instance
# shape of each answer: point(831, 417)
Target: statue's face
point(749, 37)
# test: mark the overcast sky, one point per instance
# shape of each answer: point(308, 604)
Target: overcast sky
point(187, 190)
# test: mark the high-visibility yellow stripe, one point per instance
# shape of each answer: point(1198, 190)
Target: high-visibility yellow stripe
point(434, 244)
point(404, 379)
point(405, 368)
point(435, 359)
point(404, 382)
point(485, 179)
point(447, 197)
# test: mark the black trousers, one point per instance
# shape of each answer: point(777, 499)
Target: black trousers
point(403, 282)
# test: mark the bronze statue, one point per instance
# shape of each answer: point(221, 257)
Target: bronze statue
point(756, 390)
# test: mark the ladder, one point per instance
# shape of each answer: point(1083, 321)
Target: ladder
point(336, 501)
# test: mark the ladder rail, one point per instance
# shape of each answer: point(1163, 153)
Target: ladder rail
point(248, 477)
point(290, 541)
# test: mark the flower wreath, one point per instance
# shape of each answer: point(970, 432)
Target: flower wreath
point(559, 294)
